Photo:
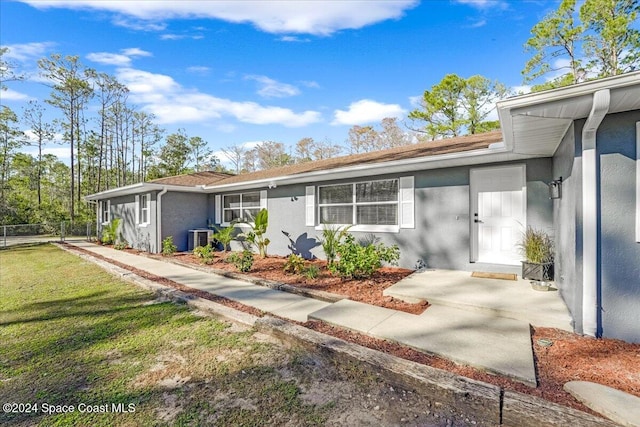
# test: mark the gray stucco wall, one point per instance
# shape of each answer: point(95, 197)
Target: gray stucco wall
point(441, 237)
point(139, 237)
point(182, 212)
point(619, 255)
point(568, 277)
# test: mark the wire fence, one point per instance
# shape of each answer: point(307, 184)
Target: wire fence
point(24, 234)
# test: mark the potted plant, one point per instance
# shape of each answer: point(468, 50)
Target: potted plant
point(537, 248)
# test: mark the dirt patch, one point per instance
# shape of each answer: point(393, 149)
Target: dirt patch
point(569, 357)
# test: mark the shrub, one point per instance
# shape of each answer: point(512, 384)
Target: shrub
point(224, 236)
point(358, 262)
point(311, 272)
point(205, 253)
point(168, 248)
point(294, 264)
point(121, 245)
point(110, 231)
point(536, 246)
point(258, 231)
point(332, 236)
point(243, 261)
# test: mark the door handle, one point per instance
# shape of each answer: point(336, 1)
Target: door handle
point(477, 221)
point(475, 218)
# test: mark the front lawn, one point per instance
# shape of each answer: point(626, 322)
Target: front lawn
point(73, 335)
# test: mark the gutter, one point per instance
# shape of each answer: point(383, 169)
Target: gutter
point(590, 257)
point(159, 219)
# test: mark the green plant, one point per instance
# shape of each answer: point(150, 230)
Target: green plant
point(294, 264)
point(205, 253)
point(536, 246)
point(110, 231)
point(311, 272)
point(258, 231)
point(123, 244)
point(243, 261)
point(358, 262)
point(168, 248)
point(332, 236)
point(224, 236)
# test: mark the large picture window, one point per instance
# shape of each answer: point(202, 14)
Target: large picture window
point(361, 203)
point(243, 206)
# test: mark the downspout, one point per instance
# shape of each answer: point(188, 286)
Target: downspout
point(590, 261)
point(159, 219)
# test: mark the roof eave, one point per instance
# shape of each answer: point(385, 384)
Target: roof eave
point(485, 155)
point(141, 188)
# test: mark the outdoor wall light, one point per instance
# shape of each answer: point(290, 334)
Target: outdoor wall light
point(555, 189)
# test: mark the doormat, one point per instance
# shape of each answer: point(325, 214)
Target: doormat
point(502, 276)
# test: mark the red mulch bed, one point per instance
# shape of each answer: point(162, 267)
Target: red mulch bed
point(571, 357)
point(368, 291)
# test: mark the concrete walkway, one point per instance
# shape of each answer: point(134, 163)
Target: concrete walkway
point(495, 344)
point(513, 299)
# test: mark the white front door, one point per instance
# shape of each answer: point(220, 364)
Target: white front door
point(498, 213)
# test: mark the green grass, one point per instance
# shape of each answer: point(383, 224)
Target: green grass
point(70, 333)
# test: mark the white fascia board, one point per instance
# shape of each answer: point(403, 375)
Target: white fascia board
point(141, 188)
point(573, 91)
point(393, 167)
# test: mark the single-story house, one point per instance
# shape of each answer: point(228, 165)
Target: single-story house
point(460, 203)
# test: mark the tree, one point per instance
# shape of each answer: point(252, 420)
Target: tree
point(362, 139)
point(610, 43)
point(555, 37)
point(235, 154)
point(308, 149)
point(43, 133)
point(392, 135)
point(456, 106)
point(7, 70)
point(11, 138)
point(605, 42)
point(71, 91)
point(174, 155)
point(202, 155)
point(271, 154)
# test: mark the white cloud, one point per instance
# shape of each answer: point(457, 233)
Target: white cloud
point(196, 69)
point(366, 111)
point(416, 101)
point(171, 103)
point(293, 39)
point(292, 17)
point(109, 58)
point(310, 84)
point(270, 88)
point(117, 59)
point(27, 51)
point(478, 24)
point(12, 95)
point(172, 37)
point(137, 25)
point(484, 4)
point(521, 90)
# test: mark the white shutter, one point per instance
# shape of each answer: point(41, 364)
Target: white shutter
point(263, 199)
point(109, 211)
point(310, 206)
point(407, 216)
point(218, 208)
point(137, 209)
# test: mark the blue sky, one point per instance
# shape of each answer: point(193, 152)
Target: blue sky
point(247, 71)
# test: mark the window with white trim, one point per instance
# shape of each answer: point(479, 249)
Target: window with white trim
point(243, 206)
point(143, 203)
point(360, 203)
point(104, 211)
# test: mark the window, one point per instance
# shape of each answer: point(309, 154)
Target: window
point(104, 211)
point(362, 203)
point(143, 209)
point(243, 206)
